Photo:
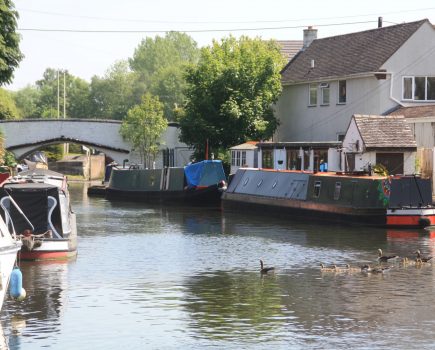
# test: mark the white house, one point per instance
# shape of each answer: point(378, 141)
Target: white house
point(371, 72)
point(373, 139)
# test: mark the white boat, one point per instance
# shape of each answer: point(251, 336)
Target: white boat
point(9, 246)
point(36, 204)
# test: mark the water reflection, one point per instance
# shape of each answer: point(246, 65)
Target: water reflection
point(233, 305)
point(39, 314)
point(170, 278)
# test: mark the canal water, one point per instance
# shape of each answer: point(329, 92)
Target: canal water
point(179, 278)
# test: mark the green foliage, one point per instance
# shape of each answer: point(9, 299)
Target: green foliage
point(9, 159)
point(10, 54)
point(8, 109)
point(53, 152)
point(230, 94)
point(27, 100)
point(50, 91)
point(159, 65)
point(144, 126)
point(113, 95)
point(380, 169)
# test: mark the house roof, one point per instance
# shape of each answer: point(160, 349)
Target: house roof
point(385, 132)
point(289, 48)
point(250, 145)
point(348, 54)
point(415, 112)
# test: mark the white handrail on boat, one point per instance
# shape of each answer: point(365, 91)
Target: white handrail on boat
point(18, 208)
point(52, 202)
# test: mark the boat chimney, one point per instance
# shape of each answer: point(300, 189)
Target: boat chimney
point(310, 34)
point(379, 22)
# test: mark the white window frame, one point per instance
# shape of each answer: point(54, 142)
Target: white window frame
point(413, 88)
point(233, 158)
point(338, 92)
point(325, 87)
point(314, 88)
point(243, 160)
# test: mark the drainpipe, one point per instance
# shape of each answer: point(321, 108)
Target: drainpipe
point(391, 89)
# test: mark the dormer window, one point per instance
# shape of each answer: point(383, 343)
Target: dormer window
point(418, 88)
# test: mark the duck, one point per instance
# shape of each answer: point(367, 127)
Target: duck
point(324, 268)
point(422, 259)
point(369, 269)
point(265, 270)
point(385, 258)
point(352, 269)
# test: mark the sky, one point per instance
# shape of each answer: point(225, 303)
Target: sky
point(86, 37)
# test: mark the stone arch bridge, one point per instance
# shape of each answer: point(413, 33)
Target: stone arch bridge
point(23, 137)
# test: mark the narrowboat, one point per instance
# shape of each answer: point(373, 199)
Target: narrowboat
point(391, 201)
point(9, 247)
point(197, 184)
point(36, 204)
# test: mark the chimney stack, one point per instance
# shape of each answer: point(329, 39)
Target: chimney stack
point(310, 35)
point(379, 22)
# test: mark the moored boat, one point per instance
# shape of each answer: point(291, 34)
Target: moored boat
point(200, 183)
point(392, 201)
point(9, 246)
point(36, 204)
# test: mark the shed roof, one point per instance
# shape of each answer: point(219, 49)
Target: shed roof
point(385, 132)
point(415, 111)
point(348, 54)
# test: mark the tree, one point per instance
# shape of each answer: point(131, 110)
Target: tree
point(27, 100)
point(112, 96)
point(10, 54)
point(8, 109)
point(144, 126)
point(231, 93)
point(159, 65)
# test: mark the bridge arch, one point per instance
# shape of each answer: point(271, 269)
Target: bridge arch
point(25, 136)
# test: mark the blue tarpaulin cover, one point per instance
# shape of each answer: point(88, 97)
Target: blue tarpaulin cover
point(205, 173)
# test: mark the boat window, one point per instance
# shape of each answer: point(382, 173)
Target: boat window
point(259, 183)
point(317, 186)
point(246, 181)
point(337, 191)
point(275, 183)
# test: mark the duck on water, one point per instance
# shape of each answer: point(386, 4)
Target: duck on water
point(264, 270)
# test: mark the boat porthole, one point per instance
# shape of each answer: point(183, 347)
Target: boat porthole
point(274, 184)
point(259, 183)
point(246, 181)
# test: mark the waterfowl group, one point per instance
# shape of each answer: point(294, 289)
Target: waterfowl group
point(366, 268)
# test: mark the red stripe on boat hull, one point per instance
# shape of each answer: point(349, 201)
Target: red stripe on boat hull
point(410, 220)
point(45, 255)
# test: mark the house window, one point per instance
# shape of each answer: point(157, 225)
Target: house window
point(324, 88)
point(317, 186)
point(293, 160)
point(342, 91)
point(243, 160)
point(337, 191)
point(418, 88)
point(267, 159)
point(407, 88)
point(313, 95)
point(430, 88)
point(233, 158)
